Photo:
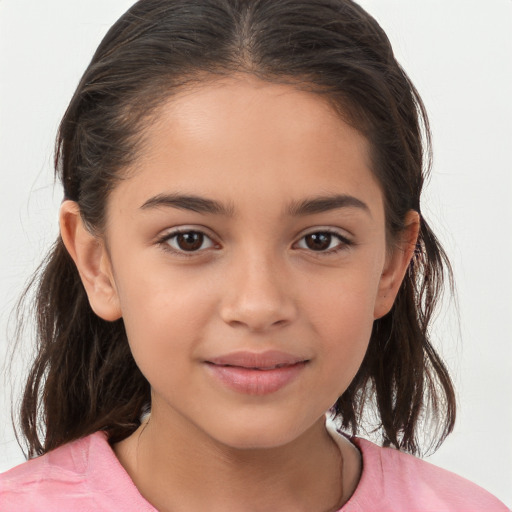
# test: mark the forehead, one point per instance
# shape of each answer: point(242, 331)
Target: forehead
point(218, 109)
point(245, 139)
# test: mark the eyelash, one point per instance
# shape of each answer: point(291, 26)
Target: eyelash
point(164, 242)
point(344, 242)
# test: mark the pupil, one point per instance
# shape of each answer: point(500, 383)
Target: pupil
point(318, 241)
point(190, 241)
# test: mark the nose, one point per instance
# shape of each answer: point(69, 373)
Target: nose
point(258, 296)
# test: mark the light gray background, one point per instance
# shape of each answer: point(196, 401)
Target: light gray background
point(458, 53)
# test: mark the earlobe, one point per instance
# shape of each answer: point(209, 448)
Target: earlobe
point(396, 265)
point(92, 261)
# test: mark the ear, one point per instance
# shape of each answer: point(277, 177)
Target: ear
point(92, 261)
point(396, 265)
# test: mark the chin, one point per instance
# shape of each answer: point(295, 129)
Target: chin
point(259, 433)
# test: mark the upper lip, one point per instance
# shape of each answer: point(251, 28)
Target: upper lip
point(260, 360)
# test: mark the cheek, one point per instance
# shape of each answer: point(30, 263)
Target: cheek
point(341, 315)
point(163, 315)
point(343, 301)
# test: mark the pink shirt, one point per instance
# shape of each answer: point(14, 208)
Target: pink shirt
point(86, 476)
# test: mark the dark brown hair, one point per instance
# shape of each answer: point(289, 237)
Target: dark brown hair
point(84, 377)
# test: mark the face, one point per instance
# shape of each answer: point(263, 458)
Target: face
point(247, 256)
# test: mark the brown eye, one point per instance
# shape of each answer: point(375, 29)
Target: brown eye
point(318, 241)
point(188, 241)
point(191, 241)
point(324, 241)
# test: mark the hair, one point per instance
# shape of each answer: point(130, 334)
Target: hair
point(84, 377)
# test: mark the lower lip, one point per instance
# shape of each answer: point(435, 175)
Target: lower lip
point(256, 382)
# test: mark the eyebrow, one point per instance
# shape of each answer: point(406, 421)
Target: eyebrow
point(189, 202)
point(326, 203)
point(309, 206)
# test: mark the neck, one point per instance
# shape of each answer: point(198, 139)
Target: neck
point(204, 474)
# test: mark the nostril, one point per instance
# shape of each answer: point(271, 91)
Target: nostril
point(255, 322)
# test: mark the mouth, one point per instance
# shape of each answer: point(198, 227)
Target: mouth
point(259, 368)
point(256, 373)
point(269, 360)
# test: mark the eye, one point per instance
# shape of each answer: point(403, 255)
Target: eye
point(324, 241)
point(187, 241)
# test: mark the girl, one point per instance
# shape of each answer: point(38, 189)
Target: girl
point(242, 251)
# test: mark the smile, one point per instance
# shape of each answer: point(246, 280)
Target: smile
point(256, 374)
point(265, 368)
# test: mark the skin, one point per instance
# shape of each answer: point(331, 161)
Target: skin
point(253, 284)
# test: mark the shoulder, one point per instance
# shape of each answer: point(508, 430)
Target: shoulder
point(81, 475)
point(394, 480)
point(40, 483)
